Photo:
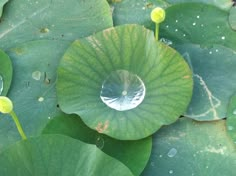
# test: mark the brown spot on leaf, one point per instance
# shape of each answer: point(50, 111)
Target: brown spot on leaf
point(102, 127)
point(186, 77)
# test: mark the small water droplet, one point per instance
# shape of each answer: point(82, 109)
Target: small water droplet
point(202, 25)
point(1, 84)
point(184, 35)
point(207, 167)
point(172, 152)
point(100, 142)
point(143, 8)
point(210, 52)
point(122, 90)
point(171, 171)
point(40, 99)
point(194, 24)
point(160, 156)
point(176, 21)
point(167, 26)
point(223, 37)
point(36, 75)
point(230, 128)
point(176, 30)
point(152, 164)
point(198, 16)
point(49, 118)
point(234, 112)
point(166, 41)
point(217, 50)
point(218, 27)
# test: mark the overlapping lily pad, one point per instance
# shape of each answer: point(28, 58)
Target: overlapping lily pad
point(33, 87)
point(214, 72)
point(123, 83)
point(2, 3)
point(231, 118)
point(65, 20)
point(5, 73)
point(58, 155)
point(192, 148)
point(199, 24)
point(134, 154)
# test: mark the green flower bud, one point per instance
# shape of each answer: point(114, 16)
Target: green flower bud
point(6, 105)
point(158, 15)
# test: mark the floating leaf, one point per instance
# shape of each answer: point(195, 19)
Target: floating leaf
point(65, 20)
point(203, 148)
point(5, 73)
point(58, 155)
point(33, 87)
point(123, 83)
point(134, 154)
point(213, 73)
point(232, 18)
point(199, 24)
point(2, 3)
point(231, 118)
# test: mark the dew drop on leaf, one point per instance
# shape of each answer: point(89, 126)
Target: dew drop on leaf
point(172, 152)
point(122, 90)
point(36, 75)
point(234, 112)
point(230, 128)
point(166, 41)
point(100, 142)
point(1, 84)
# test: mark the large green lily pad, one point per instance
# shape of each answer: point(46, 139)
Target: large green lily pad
point(124, 83)
point(231, 118)
point(2, 3)
point(202, 148)
point(213, 73)
point(199, 24)
point(5, 73)
point(134, 154)
point(33, 87)
point(65, 20)
point(58, 155)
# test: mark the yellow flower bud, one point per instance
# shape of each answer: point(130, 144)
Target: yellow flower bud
point(158, 15)
point(6, 105)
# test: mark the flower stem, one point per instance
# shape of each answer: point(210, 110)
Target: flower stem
point(157, 31)
point(18, 125)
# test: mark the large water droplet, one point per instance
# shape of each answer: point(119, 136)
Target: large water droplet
point(1, 84)
point(100, 142)
point(122, 90)
point(172, 152)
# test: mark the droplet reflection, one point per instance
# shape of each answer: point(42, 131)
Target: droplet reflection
point(122, 90)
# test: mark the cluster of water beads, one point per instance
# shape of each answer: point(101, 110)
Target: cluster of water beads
point(122, 90)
